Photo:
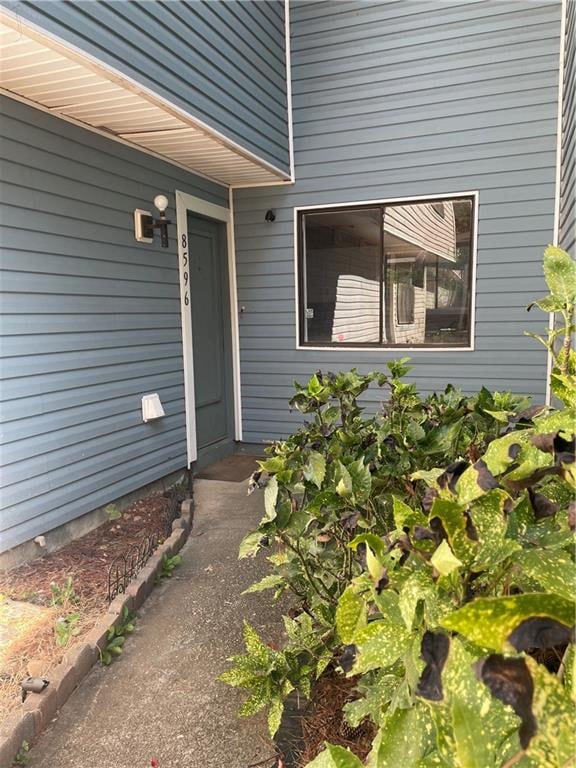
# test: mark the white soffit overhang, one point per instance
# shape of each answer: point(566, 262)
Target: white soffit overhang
point(46, 72)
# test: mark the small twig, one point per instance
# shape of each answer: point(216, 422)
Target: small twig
point(266, 761)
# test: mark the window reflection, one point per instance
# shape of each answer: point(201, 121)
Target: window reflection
point(393, 275)
point(343, 277)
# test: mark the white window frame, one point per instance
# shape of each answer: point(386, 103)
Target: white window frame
point(475, 195)
point(188, 203)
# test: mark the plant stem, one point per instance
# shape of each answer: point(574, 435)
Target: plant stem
point(309, 576)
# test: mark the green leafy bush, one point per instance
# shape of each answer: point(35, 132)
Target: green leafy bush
point(430, 551)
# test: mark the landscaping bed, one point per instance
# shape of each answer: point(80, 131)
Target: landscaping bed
point(50, 605)
point(324, 720)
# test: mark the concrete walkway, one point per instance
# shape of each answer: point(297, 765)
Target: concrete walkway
point(160, 699)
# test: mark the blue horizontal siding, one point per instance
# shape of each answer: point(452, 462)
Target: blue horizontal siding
point(224, 62)
point(567, 234)
point(90, 322)
point(396, 100)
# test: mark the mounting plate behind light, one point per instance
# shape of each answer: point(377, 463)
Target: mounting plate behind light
point(143, 226)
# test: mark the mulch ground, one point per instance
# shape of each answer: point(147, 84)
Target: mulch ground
point(86, 561)
point(324, 721)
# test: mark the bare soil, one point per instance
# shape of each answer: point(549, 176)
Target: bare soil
point(33, 649)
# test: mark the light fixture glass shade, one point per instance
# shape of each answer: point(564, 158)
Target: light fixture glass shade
point(161, 202)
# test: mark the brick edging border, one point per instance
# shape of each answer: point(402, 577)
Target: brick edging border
point(39, 709)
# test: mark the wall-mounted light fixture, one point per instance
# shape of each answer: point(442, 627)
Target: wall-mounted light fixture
point(270, 216)
point(145, 224)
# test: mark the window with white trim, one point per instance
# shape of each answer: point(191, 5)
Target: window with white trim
point(396, 274)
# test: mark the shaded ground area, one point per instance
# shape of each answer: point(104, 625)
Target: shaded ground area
point(36, 598)
point(232, 469)
point(160, 699)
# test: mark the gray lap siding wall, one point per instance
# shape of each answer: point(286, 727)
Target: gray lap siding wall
point(90, 321)
point(396, 100)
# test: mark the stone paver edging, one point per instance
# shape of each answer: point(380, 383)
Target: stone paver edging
point(39, 709)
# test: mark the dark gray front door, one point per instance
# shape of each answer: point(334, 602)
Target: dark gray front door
point(211, 334)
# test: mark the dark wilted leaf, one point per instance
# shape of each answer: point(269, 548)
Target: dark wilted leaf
point(350, 522)
point(471, 531)
point(539, 632)
point(514, 450)
point(486, 479)
point(382, 583)
point(438, 529)
point(510, 681)
point(422, 534)
point(542, 506)
point(434, 650)
point(545, 442)
point(535, 477)
point(564, 446)
point(390, 441)
point(449, 477)
point(347, 657)
point(565, 457)
point(529, 413)
point(428, 499)
point(253, 483)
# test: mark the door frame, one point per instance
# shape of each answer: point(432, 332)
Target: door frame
point(185, 204)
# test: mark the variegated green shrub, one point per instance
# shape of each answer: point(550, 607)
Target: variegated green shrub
point(431, 552)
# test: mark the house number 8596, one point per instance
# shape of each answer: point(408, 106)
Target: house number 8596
point(184, 265)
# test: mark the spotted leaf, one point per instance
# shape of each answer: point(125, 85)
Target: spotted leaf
point(380, 645)
point(351, 615)
point(553, 570)
point(407, 735)
point(335, 757)
point(315, 470)
point(488, 622)
point(475, 482)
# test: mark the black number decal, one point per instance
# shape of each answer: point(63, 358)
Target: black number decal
point(186, 299)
